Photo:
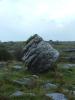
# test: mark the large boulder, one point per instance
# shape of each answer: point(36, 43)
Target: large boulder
point(39, 55)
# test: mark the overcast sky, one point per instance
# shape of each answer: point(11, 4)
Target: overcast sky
point(51, 19)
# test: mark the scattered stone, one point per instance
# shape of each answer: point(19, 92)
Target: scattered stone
point(17, 93)
point(28, 82)
point(17, 67)
point(39, 55)
point(67, 66)
point(56, 96)
point(48, 86)
point(35, 76)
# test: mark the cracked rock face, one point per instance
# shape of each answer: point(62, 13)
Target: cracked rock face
point(38, 55)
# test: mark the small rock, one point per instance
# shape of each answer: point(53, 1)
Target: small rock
point(67, 66)
point(17, 67)
point(48, 86)
point(56, 96)
point(28, 82)
point(17, 93)
point(35, 76)
point(70, 65)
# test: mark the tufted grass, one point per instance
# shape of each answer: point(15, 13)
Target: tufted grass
point(64, 78)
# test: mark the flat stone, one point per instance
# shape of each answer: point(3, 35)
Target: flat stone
point(49, 86)
point(29, 82)
point(67, 66)
point(56, 96)
point(22, 81)
point(17, 93)
point(35, 76)
point(17, 67)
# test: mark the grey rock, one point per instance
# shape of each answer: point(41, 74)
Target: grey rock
point(35, 76)
point(48, 86)
point(17, 93)
point(17, 67)
point(67, 66)
point(56, 96)
point(28, 82)
point(39, 55)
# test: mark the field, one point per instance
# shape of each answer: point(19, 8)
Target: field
point(62, 79)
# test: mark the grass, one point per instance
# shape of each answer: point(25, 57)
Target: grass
point(65, 78)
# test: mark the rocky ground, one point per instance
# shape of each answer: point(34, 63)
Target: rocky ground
point(16, 83)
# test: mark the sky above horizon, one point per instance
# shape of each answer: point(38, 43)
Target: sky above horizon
point(51, 19)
